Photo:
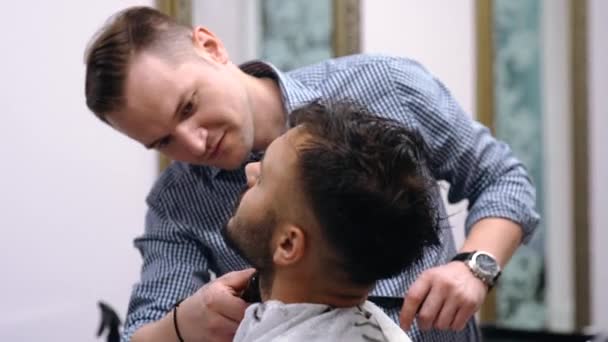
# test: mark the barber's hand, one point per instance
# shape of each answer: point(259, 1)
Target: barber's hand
point(443, 297)
point(214, 312)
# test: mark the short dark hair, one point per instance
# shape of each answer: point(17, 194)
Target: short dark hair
point(366, 181)
point(110, 52)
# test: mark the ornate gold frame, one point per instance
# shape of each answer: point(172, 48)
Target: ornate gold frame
point(485, 101)
point(347, 23)
point(579, 114)
point(179, 9)
point(580, 158)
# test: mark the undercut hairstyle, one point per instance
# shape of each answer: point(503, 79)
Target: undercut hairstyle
point(365, 178)
point(111, 50)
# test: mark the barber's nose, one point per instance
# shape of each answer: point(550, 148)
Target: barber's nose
point(194, 139)
point(252, 171)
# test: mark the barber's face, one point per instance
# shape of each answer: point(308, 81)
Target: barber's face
point(193, 110)
point(261, 208)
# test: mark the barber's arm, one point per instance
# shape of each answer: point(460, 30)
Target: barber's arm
point(169, 259)
point(479, 168)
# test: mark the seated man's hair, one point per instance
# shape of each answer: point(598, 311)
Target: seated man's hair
point(366, 181)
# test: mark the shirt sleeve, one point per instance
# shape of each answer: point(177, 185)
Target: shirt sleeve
point(170, 256)
point(462, 152)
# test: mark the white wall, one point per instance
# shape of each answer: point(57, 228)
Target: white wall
point(71, 190)
point(557, 142)
point(441, 35)
point(598, 141)
point(236, 22)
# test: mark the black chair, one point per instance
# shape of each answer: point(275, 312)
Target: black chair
point(110, 322)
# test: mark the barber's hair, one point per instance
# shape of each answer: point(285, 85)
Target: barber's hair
point(366, 180)
point(111, 50)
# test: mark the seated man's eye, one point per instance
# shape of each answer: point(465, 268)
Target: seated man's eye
point(188, 109)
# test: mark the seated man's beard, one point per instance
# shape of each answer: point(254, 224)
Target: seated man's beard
point(250, 238)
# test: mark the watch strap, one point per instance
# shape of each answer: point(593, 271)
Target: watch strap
point(463, 256)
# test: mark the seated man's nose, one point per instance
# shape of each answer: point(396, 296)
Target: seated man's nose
point(252, 171)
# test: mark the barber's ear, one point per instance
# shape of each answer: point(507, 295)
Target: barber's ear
point(208, 46)
point(289, 245)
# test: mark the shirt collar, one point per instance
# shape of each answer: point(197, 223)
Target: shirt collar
point(295, 94)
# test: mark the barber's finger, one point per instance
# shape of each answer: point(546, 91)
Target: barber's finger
point(413, 300)
point(237, 280)
point(431, 307)
point(446, 316)
point(462, 317)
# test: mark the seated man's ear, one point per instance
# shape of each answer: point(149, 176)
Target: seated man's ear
point(289, 245)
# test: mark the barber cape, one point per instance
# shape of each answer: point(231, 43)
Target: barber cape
point(275, 321)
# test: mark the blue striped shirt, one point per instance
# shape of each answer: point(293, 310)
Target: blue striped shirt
point(189, 204)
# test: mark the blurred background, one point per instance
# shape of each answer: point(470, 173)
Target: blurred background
point(72, 190)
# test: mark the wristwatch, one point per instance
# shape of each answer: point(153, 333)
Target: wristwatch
point(483, 266)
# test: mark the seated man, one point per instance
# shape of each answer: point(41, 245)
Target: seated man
point(340, 201)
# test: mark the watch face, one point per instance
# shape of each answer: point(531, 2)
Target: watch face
point(486, 264)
